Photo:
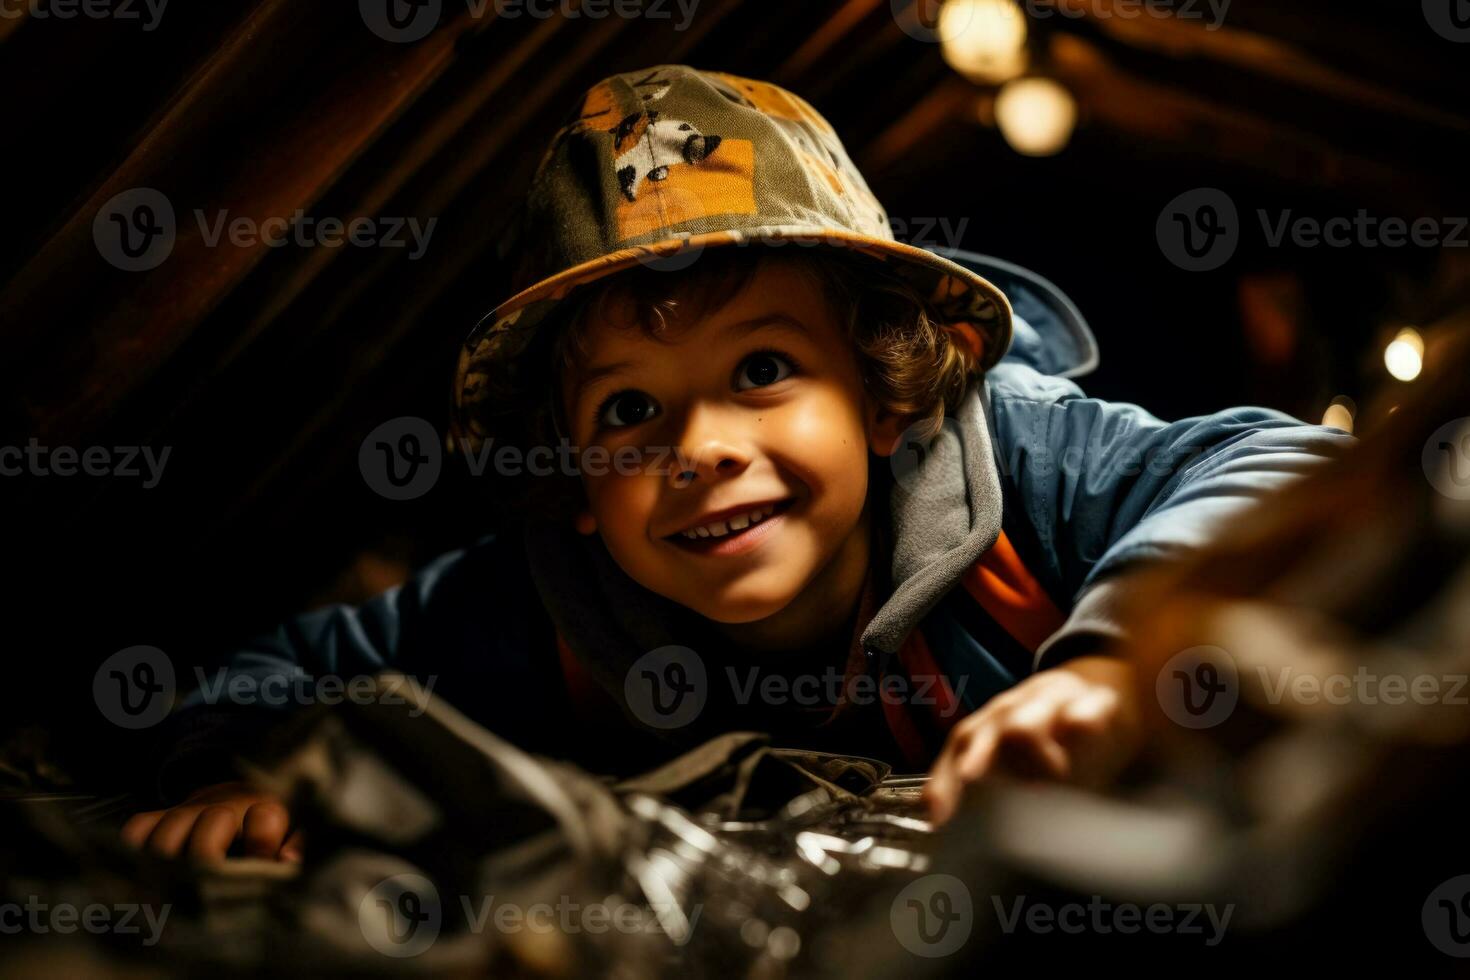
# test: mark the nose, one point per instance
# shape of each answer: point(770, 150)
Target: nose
point(711, 449)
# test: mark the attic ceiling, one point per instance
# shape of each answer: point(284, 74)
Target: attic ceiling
point(262, 368)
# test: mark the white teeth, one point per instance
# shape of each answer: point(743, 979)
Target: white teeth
point(737, 523)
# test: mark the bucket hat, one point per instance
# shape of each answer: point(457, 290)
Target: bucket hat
point(658, 164)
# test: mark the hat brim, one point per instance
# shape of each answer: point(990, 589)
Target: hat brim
point(956, 293)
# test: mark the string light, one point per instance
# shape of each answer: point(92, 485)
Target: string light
point(984, 40)
point(1404, 355)
point(1036, 116)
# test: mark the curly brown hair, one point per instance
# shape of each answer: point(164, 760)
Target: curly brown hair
point(910, 364)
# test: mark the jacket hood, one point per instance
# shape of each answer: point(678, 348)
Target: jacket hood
point(945, 509)
point(1050, 333)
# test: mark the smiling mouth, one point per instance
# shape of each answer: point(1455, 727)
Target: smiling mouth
point(712, 535)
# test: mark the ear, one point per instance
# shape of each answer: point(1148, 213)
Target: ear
point(585, 523)
point(885, 429)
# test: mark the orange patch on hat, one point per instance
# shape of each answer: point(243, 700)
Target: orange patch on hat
point(839, 186)
point(776, 101)
point(598, 106)
point(721, 183)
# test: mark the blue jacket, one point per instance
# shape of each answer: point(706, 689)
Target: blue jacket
point(1087, 491)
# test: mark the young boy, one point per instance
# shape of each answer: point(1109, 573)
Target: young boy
point(825, 484)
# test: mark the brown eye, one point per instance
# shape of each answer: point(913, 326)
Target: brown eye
point(626, 408)
point(763, 369)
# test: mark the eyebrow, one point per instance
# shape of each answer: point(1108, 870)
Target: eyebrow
point(739, 328)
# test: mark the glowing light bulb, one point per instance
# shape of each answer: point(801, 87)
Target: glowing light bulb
point(1036, 116)
point(1404, 355)
point(984, 40)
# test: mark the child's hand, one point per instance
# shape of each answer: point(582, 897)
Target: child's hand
point(208, 822)
point(1077, 722)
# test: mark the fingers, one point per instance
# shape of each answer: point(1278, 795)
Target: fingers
point(294, 848)
point(977, 756)
point(942, 791)
point(214, 831)
point(1097, 735)
point(965, 758)
point(1026, 747)
point(169, 835)
point(207, 824)
point(1032, 754)
point(1059, 725)
point(135, 832)
point(1084, 719)
point(265, 829)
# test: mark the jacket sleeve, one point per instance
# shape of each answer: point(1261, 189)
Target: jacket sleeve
point(1107, 486)
point(464, 625)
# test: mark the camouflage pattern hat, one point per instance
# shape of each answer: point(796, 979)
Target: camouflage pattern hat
point(659, 164)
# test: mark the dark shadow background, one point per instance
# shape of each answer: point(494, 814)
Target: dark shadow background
point(264, 369)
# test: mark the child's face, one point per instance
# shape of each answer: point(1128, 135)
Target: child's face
point(763, 403)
